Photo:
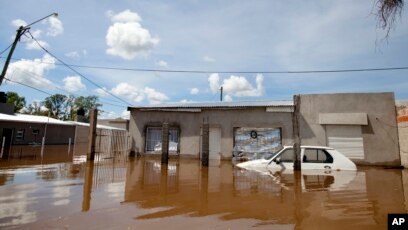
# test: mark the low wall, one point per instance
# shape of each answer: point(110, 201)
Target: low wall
point(403, 139)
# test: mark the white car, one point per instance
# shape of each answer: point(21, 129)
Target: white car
point(173, 146)
point(312, 158)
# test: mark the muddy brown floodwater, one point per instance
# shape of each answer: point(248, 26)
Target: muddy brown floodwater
point(141, 193)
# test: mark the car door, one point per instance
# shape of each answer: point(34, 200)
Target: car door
point(283, 160)
point(315, 158)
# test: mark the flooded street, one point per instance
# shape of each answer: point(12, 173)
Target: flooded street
point(120, 193)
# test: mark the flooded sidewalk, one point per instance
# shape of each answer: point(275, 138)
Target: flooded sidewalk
point(140, 193)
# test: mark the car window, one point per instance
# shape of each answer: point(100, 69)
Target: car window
point(317, 156)
point(286, 156)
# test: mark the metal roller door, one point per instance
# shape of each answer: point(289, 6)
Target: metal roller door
point(347, 139)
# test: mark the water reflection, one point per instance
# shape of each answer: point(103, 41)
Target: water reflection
point(320, 200)
point(140, 191)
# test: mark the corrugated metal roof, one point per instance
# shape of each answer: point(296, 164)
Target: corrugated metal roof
point(31, 119)
point(97, 126)
point(209, 105)
point(44, 119)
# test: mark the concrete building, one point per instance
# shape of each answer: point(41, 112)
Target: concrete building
point(120, 123)
point(28, 130)
point(361, 125)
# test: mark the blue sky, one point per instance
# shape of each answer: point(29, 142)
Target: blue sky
point(212, 36)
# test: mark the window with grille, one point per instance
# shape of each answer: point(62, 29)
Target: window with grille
point(154, 139)
point(20, 135)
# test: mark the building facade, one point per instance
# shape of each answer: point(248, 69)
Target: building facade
point(361, 125)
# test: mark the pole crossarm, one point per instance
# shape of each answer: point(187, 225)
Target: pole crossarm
point(21, 30)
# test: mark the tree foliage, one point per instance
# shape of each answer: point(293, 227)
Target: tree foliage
point(36, 108)
point(18, 101)
point(87, 104)
point(387, 12)
point(57, 105)
point(63, 107)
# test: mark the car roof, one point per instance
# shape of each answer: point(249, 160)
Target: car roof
point(309, 146)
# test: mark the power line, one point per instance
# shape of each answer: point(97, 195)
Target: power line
point(229, 72)
point(29, 86)
point(8, 47)
point(42, 91)
point(70, 93)
point(75, 71)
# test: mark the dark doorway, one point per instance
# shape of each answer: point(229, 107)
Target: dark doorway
point(7, 136)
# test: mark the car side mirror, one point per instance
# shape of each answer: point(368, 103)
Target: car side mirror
point(277, 160)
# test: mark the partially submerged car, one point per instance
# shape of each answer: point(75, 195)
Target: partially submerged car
point(312, 158)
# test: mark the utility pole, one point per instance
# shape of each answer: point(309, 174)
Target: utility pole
point(296, 134)
point(221, 94)
point(205, 144)
point(165, 143)
point(20, 32)
point(92, 134)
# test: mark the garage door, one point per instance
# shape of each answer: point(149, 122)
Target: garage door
point(347, 139)
point(215, 143)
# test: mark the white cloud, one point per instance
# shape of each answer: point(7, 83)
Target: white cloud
point(55, 27)
point(237, 86)
point(18, 22)
point(101, 92)
point(137, 95)
point(154, 96)
point(76, 54)
point(240, 87)
point(187, 101)
point(162, 63)
point(227, 98)
point(126, 90)
point(31, 72)
point(214, 81)
point(127, 38)
point(73, 54)
point(194, 91)
point(32, 45)
point(108, 115)
point(73, 84)
point(208, 59)
point(124, 16)
point(125, 114)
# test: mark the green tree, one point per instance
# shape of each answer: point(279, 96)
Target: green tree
point(35, 108)
point(86, 103)
point(57, 104)
point(69, 108)
point(18, 101)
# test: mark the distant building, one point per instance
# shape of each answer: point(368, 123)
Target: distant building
point(360, 125)
point(24, 129)
point(120, 123)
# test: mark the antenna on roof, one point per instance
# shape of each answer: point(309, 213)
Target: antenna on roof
point(221, 94)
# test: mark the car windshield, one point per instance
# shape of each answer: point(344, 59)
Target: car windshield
point(269, 156)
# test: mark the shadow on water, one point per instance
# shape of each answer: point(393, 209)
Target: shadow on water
point(117, 192)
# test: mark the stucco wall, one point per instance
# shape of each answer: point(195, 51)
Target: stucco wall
point(380, 137)
point(403, 140)
point(190, 125)
point(56, 134)
point(117, 123)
